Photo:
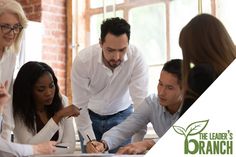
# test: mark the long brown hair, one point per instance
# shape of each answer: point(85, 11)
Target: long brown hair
point(205, 40)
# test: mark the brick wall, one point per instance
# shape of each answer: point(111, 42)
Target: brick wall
point(32, 9)
point(52, 14)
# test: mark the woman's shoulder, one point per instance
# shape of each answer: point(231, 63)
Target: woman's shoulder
point(201, 77)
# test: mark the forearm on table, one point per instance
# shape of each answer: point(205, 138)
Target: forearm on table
point(45, 134)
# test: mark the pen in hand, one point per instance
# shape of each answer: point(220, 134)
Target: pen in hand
point(61, 146)
point(91, 141)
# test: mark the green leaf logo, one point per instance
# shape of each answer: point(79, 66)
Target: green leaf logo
point(180, 130)
point(196, 127)
point(192, 129)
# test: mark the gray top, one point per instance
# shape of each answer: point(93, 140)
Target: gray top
point(149, 111)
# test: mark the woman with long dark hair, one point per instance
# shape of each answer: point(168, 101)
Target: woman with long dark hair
point(40, 112)
point(8, 148)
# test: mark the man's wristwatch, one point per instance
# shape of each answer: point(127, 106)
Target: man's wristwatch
point(104, 145)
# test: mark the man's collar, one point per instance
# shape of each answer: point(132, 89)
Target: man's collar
point(178, 111)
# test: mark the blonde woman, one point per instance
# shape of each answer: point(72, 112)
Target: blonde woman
point(12, 24)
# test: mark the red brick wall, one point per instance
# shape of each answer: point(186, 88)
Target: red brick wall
point(32, 9)
point(52, 14)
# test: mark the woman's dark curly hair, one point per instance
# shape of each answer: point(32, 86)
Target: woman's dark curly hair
point(24, 106)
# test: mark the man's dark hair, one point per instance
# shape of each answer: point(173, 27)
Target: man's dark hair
point(116, 26)
point(174, 66)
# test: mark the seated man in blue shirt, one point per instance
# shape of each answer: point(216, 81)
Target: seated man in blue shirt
point(161, 110)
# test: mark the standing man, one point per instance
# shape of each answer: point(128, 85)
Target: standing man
point(107, 79)
point(161, 110)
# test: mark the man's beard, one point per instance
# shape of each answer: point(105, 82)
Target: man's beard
point(112, 65)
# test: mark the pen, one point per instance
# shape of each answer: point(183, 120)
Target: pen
point(91, 141)
point(61, 146)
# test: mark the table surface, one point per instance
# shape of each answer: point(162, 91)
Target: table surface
point(87, 155)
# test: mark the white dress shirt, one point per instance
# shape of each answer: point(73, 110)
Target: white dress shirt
point(149, 111)
point(8, 148)
point(7, 66)
point(96, 87)
point(66, 134)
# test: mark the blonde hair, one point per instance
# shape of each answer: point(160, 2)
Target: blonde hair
point(205, 40)
point(14, 7)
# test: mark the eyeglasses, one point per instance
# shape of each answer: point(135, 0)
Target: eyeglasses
point(6, 28)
